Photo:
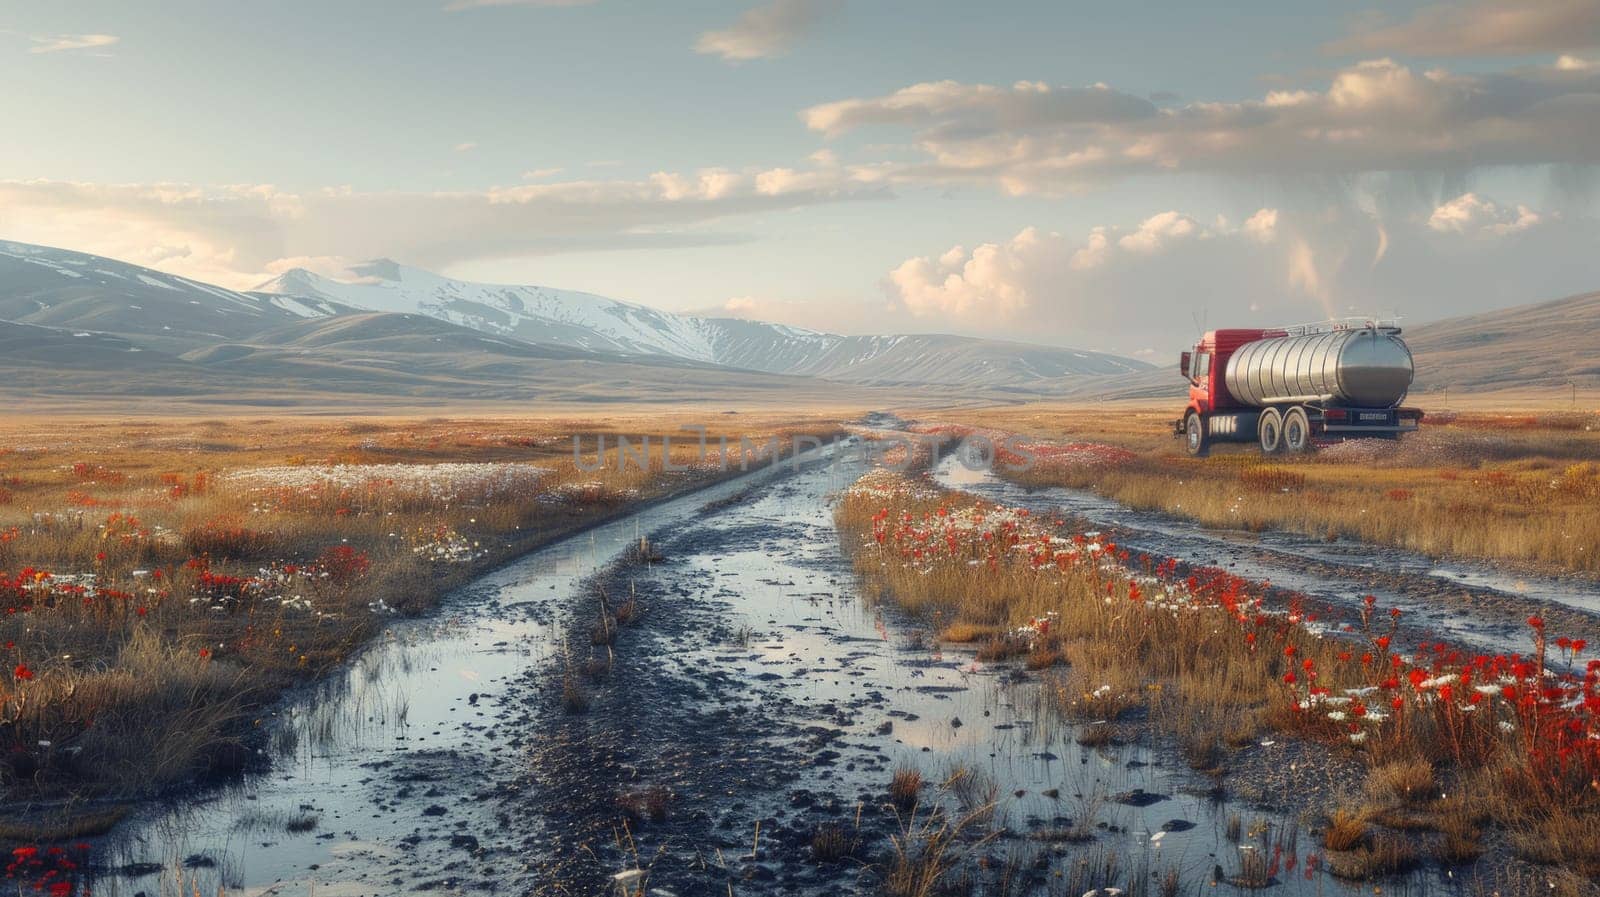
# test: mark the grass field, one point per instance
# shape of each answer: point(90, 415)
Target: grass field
point(162, 582)
point(1455, 746)
point(1518, 487)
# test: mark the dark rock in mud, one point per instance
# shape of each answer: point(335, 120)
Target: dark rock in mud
point(1139, 797)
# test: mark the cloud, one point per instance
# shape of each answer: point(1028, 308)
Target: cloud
point(463, 5)
point(993, 280)
point(1160, 230)
point(1485, 28)
point(1262, 226)
point(1472, 214)
point(1303, 273)
point(1375, 116)
point(1036, 270)
point(466, 147)
point(1153, 278)
point(234, 235)
point(57, 43)
point(539, 174)
point(765, 31)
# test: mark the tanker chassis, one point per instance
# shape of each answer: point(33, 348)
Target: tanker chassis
point(1286, 389)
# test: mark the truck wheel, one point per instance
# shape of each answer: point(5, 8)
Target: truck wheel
point(1269, 431)
point(1194, 435)
point(1296, 431)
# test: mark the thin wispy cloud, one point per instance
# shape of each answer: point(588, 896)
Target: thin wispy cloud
point(463, 5)
point(1374, 116)
point(232, 234)
point(466, 146)
point(1485, 28)
point(766, 31)
point(59, 43)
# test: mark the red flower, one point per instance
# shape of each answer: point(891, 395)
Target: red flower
point(205, 653)
point(1537, 622)
point(22, 673)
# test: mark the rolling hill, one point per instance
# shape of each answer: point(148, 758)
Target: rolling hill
point(1545, 346)
point(587, 321)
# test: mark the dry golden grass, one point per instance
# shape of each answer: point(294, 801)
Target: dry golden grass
point(163, 581)
point(1346, 830)
point(1513, 486)
point(905, 788)
point(1216, 674)
point(1406, 783)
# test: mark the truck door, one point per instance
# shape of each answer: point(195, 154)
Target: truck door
point(1200, 381)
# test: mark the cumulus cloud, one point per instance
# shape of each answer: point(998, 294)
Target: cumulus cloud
point(234, 235)
point(992, 280)
point(1036, 270)
point(1152, 279)
point(1485, 28)
point(1262, 226)
point(765, 31)
point(1472, 214)
point(1160, 230)
point(1374, 116)
point(57, 43)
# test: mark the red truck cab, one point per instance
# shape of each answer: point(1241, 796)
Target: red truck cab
point(1207, 367)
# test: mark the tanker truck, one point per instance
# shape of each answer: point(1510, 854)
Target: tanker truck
point(1289, 388)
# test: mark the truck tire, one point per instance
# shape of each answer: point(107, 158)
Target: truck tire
point(1269, 431)
point(1296, 431)
point(1194, 435)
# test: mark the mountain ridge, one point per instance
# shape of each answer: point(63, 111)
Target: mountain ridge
point(590, 321)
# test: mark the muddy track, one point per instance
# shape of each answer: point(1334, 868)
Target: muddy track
point(675, 760)
point(1440, 600)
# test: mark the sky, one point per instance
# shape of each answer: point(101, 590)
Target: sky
point(1109, 176)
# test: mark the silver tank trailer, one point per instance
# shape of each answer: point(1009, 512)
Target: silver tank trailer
point(1366, 367)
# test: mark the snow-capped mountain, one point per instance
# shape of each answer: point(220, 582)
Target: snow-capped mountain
point(586, 321)
point(533, 314)
point(77, 291)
